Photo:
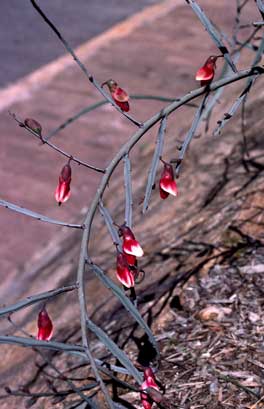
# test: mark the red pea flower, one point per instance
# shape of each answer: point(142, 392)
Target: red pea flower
point(45, 326)
point(123, 272)
point(130, 245)
point(62, 192)
point(118, 94)
point(206, 73)
point(149, 382)
point(167, 184)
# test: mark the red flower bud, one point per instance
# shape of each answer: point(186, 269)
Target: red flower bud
point(206, 73)
point(130, 244)
point(45, 327)
point(62, 192)
point(149, 382)
point(123, 272)
point(34, 125)
point(118, 94)
point(167, 184)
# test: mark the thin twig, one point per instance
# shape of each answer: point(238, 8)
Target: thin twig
point(128, 191)
point(83, 316)
point(33, 299)
point(154, 163)
point(216, 37)
point(114, 348)
point(120, 294)
point(110, 225)
point(242, 97)
point(38, 216)
point(196, 121)
point(54, 147)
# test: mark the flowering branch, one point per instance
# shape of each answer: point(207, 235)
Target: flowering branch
point(125, 149)
point(119, 100)
point(38, 216)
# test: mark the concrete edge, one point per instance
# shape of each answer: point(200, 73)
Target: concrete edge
point(25, 87)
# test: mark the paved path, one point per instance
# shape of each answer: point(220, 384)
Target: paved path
point(27, 43)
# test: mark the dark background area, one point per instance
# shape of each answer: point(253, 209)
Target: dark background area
point(27, 43)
